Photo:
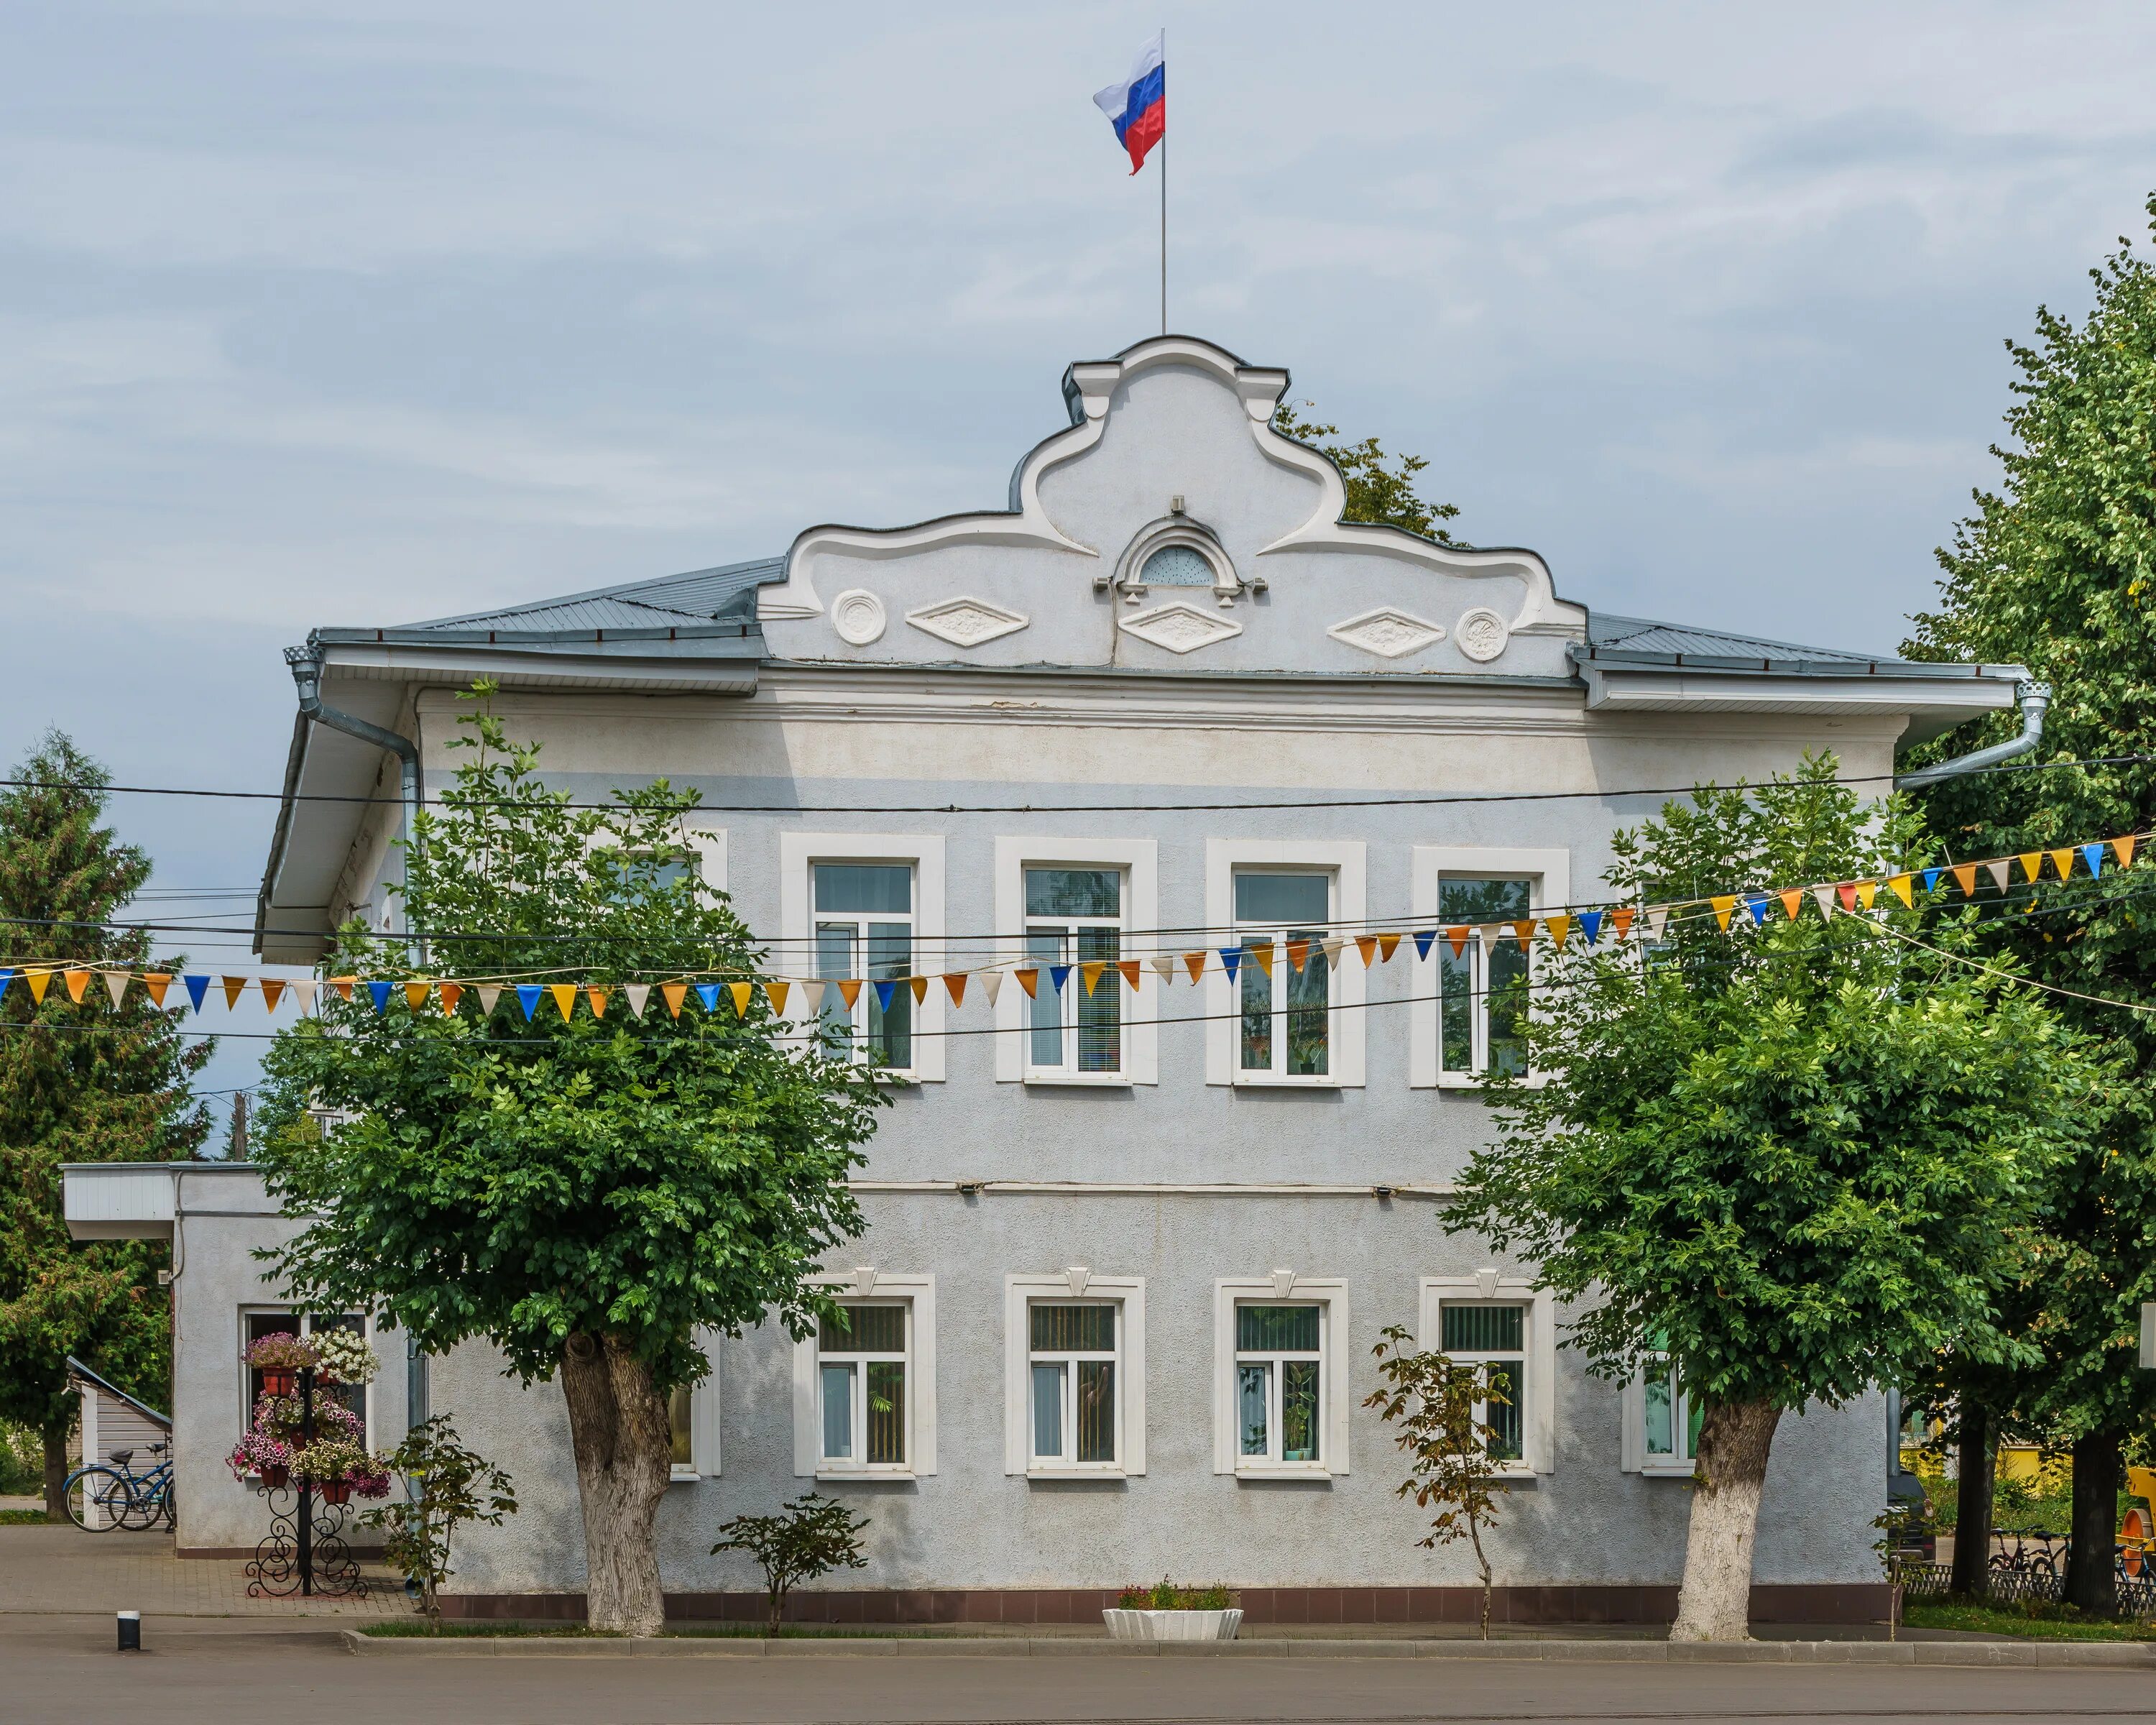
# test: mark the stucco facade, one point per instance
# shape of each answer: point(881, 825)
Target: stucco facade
point(1045, 686)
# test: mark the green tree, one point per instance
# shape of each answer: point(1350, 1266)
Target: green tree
point(1381, 487)
point(85, 1082)
point(586, 1193)
point(2056, 570)
point(1792, 1156)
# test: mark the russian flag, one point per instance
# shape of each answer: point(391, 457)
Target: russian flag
point(1137, 107)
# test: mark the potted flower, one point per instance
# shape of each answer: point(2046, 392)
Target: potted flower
point(280, 1358)
point(263, 1453)
point(1169, 1612)
point(343, 1357)
point(338, 1468)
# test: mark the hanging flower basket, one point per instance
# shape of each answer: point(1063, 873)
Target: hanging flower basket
point(276, 1478)
point(335, 1491)
point(278, 1380)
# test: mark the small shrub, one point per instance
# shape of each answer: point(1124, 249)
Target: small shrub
point(810, 1537)
point(452, 1486)
point(1166, 1596)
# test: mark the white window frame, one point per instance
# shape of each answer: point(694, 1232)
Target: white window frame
point(1496, 1287)
point(1139, 861)
point(869, 1283)
point(1076, 1285)
point(706, 843)
point(1282, 1287)
point(1346, 862)
point(271, 1308)
point(798, 855)
point(1634, 1457)
point(1551, 869)
point(703, 1418)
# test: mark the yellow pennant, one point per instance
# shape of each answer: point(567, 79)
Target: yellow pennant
point(565, 996)
point(451, 993)
point(2124, 847)
point(954, 984)
point(1262, 950)
point(1298, 954)
point(776, 992)
point(1559, 927)
point(1792, 901)
point(850, 990)
point(1964, 877)
point(273, 991)
point(1090, 971)
point(593, 993)
point(77, 981)
point(741, 992)
point(1866, 891)
point(415, 995)
point(2063, 861)
point(673, 993)
point(919, 984)
point(1029, 979)
point(1366, 944)
point(2032, 863)
point(1723, 904)
point(1898, 884)
point(39, 981)
point(1388, 944)
point(157, 981)
point(1195, 963)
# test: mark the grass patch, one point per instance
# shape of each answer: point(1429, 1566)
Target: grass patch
point(2041, 1621)
point(400, 1628)
point(24, 1518)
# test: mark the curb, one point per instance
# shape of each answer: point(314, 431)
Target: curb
point(2052, 1655)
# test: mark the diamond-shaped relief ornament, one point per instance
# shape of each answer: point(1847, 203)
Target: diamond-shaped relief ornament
point(966, 622)
point(1180, 627)
point(1387, 633)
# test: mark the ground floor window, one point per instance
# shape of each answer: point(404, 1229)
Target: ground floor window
point(256, 1324)
point(1071, 1383)
point(1492, 1337)
point(1670, 1419)
point(861, 1360)
point(1280, 1381)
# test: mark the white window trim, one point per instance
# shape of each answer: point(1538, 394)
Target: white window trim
point(271, 1308)
point(706, 841)
point(1538, 1432)
point(1552, 873)
point(1632, 1443)
point(869, 1283)
point(1138, 859)
point(1075, 1284)
point(1282, 1287)
point(1346, 862)
point(703, 1417)
point(797, 852)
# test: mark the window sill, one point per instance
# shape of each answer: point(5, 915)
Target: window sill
point(1100, 1471)
point(1054, 1080)
point(683, 1477)
point(837, 1476)
point(1284, 1470)
point(1473, 1080)
point(1669, 1470)
point(1287, 1081)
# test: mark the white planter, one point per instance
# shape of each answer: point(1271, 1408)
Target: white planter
point(1174, 1625)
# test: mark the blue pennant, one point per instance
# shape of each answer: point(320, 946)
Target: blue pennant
point(1231, 961)
point(1932, 878)
point(2093, 855)
point(6, 977)
point(1424, 939)
point(199, 986)
point(527, 997)
point(380, 991)
point(1756, 903)
point(1590, 925)
point(708, 993)
point(884, 992)
point(1058, 975)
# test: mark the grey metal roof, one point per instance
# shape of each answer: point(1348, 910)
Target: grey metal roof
point(690, 599)
point(1613, 640)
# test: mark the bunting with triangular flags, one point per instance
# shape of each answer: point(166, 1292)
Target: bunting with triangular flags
point(565, 998)
point(378, 992)
point(528, 996)
point(638, 996)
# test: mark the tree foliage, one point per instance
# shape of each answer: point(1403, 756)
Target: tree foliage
point(810, 1537)
point(1381, 487)
point(81, 1081)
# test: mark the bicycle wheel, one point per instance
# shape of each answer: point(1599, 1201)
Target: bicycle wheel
point(142, 1508)
point(97, 1499)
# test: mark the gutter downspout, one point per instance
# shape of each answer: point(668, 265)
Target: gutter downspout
point(306, 663)
point(2034, 698)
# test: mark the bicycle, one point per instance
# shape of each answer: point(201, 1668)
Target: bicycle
point(102, 1496)
point(2021, 1561)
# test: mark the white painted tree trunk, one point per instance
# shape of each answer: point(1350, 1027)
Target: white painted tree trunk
point(623, 1442)
point(1715, 1603)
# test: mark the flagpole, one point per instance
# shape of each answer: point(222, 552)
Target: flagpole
point(1163, 189)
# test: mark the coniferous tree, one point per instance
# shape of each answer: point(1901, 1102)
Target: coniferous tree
point(2056, 570)
point(79, 1082)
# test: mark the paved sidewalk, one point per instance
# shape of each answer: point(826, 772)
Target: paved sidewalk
point(61, 1569)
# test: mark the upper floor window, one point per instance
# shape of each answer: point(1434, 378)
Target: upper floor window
point(864, 915)
point(1492, 1335)
point(1177, 566)
point(1073, 923)
point(1281, 921)
point(1482, 989)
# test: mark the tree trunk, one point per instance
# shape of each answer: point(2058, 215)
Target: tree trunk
point(1716, 1602)
point(56, 1471)
point(623, 1442)
point(1979, 1462)
point(2091, 1580)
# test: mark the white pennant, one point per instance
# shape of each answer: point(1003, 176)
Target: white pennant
point(303, 993)
point(1824, 897)
point(992, 984)
point(812, 997)
point(1657, 915)
point(115, 985)
point(1332, 950)
point(488, 994)
point(638, 994)
point(1165, 966)
point(1999, 870)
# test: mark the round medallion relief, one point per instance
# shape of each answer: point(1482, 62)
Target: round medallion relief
point(858, 616)
point(1482, 635)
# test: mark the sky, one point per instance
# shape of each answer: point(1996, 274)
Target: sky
point(327, 313)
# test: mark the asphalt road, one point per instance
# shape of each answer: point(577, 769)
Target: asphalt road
point(56, 1671)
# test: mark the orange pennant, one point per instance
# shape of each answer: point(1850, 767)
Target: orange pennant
point(1456, 938)
point(1523, 932)
point(1964, 877)
point(1621, 919)
point(234, 987)
point(342, 984)
point(1262, 950)
point(1848, 893)
point(954, 981)
point(415, 995)
point(451, 993)
point(157, 981)
point(593, 993)
point(1388, 944)
point(850, 990)
point(1559, 927)
point(2124, 847)
point(565, 996)
point(1792, 901)
point(1366, 944)
point(2032, 863)
point(273, 991)
point(673, 993)
point(1029, 979)
point(1898, 884)
point(1723, 903)
point(1090, 971)
point(1195, 963)
point(1129, 967)
point(919, 984)
point(77, 981)
point(1298, 954)
point(741, 992)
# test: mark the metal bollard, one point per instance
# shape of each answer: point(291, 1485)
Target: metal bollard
point(131, 1632)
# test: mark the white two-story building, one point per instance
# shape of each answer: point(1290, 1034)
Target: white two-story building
point(1128, 1252)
